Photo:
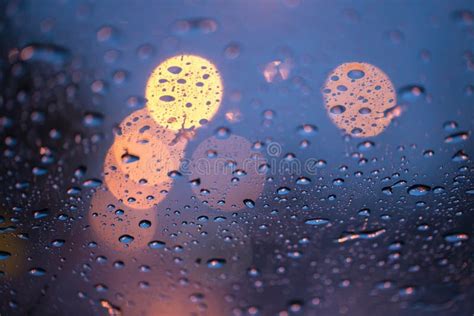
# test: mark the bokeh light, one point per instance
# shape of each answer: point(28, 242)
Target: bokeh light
point(137, 164)
point(360, 99)
point(184, 92)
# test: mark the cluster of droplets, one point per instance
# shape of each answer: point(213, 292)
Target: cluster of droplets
point(182, 93)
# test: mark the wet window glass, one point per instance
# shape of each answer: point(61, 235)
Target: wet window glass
point(271, 157)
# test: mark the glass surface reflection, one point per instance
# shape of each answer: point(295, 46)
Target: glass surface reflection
point(208, 157)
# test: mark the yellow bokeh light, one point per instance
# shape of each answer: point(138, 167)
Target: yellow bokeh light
point(360, 99)
point(184, 92)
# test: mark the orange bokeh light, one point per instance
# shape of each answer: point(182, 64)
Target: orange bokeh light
point(137, 164)
point(360, 99)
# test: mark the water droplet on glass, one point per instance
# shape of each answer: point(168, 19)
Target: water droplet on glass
point(216, 263)
point(411, 93)
point(419, 190)
point(37, 272)
point(316, 221)
point(126, 239)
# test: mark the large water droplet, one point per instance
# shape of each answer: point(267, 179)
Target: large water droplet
point(216, 263)
point(419, 190)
